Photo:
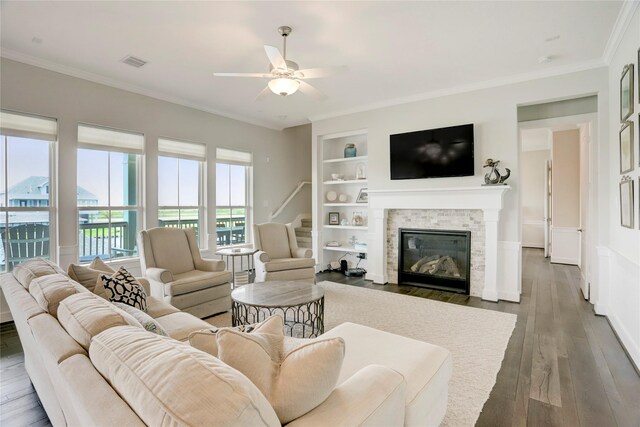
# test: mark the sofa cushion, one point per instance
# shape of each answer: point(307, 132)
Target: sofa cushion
point(274, 240)
point(296, 375)
point(122, 287)
point(171, 249)
point(88, 275)
point(196, 280)
point(51, 289)
point(282, 264)
point(147, 322)
point(206, 339)
point(27, 271)
point(85, 315)
point(157, 307)
point(168, 383)
point(179, 325)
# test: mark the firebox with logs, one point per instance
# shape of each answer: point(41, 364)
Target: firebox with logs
point(437, 259)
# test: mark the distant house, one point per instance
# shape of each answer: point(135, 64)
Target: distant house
point(34, 192)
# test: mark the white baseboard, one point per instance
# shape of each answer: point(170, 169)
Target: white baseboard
point(490, 295)
point(377, 278)
point(627, 340)
point(509, 272)
point(509, 296)
point(558, 260)
point(532, 245)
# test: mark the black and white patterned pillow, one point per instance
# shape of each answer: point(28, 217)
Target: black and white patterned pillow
point(122, 287)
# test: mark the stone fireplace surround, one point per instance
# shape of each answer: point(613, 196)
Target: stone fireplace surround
point(438, 208)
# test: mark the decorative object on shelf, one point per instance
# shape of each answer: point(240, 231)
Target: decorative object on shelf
point(626, 93)
point(331, 196)
point(333, 244)
point(626, 202)
point(342, 198)
point(353, 240)
point(361, 171)
point(350, 150)
point(626, 147)
point(344, 222)
point(360, 246)
point(494, 177)
point(357, 219)
point(363, 196)
point(334, 218)
point(337, 176)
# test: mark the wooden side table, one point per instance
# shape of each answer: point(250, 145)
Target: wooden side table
point(232, 253)
point(300, 303)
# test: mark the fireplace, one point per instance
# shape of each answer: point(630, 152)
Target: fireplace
point(436, 259)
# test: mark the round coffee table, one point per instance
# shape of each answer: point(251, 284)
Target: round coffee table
point(301, 304)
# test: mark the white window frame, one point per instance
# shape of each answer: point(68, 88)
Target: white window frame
point(138, 207)
point(4, 211)
point(248, 206)
point(201, 199)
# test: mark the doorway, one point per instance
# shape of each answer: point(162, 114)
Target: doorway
point(556, 189)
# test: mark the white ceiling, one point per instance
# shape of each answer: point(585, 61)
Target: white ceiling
point(393, 50)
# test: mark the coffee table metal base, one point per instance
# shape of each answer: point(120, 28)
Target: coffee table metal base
point(301, 321)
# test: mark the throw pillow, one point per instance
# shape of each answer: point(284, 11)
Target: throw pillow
point(29, 270)
point(88, 275)
point(147, 322)
point(295, 375)
point(207, 339)
point(122, 287)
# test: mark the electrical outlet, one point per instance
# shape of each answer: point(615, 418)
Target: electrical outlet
point(361, 255)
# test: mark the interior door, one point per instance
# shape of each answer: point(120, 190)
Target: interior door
point(585, 189)
point(547, 211)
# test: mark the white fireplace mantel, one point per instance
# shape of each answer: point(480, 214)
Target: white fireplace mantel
point(489, 199)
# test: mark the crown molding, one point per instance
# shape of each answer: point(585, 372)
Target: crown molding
point(118, 84)
point(622, 23)
point(502, 81)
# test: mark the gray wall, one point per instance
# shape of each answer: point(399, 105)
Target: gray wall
point(281, 159)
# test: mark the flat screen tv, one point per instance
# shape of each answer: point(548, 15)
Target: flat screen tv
point(433, 153)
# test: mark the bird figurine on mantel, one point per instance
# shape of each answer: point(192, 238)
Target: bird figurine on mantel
point(493, 177)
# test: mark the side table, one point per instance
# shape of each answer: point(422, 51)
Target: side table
point(232, 253)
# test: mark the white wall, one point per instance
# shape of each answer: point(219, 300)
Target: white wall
point(533, 166)
point(494, 114)
point(618, 292)
point(281, 159)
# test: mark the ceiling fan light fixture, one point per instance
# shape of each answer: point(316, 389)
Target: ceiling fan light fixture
point(284, 86)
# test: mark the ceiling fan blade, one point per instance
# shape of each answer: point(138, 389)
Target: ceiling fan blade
point(311, 91)
point(262, 95)
point(261, 75)
point(275, 57)
point(316, 73)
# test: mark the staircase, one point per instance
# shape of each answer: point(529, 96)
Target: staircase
point(303, 234)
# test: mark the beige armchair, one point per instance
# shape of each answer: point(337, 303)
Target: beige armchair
point(278, 256)
point(171, 261)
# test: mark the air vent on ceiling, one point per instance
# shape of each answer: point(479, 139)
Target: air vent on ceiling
point(133, 61)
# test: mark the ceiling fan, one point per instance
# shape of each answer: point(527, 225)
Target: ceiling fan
point(286, 77)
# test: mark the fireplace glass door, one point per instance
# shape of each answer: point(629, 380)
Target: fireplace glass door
point(438, 259)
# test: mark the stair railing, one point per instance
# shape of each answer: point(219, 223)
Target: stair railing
point(284, 204)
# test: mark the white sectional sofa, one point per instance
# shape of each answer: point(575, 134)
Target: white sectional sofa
point(385, 380)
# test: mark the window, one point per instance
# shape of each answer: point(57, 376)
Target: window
point(180, 195)
point(109, 201)
point(233, 196)
point(26, 230)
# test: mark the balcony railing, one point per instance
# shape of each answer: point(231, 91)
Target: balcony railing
point(95, 239)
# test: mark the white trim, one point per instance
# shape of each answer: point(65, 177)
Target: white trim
point(502, 81)
point(107, 81)
point(623, 20)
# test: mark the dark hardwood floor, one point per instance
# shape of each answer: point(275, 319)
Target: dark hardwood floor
point(563, 365)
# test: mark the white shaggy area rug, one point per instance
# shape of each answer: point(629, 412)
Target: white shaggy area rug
point(476, 338)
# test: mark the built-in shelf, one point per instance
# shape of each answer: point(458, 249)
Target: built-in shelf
point(349, 249)
point(346, 159)
point(346, 181)
point(348, 227)
point(352, 205)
